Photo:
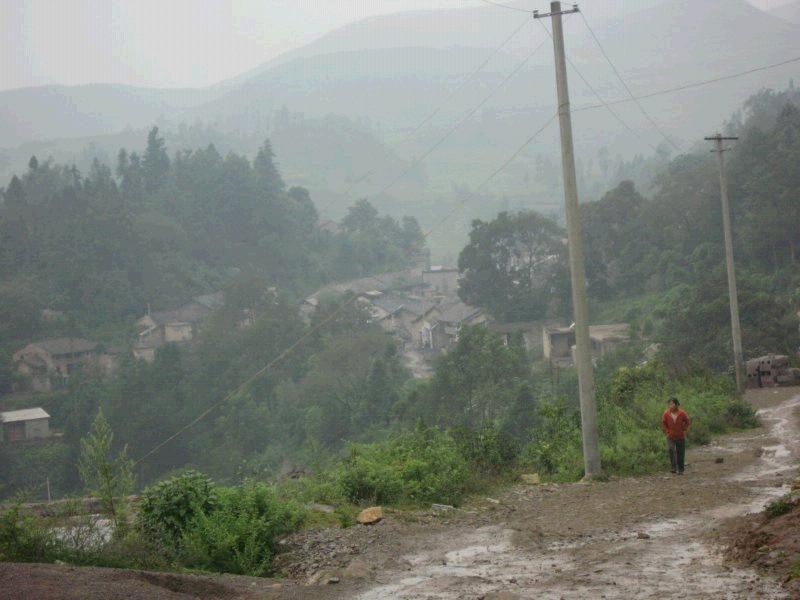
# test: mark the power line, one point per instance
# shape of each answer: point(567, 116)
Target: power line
point(628, 89)
point(461, 85)
point(597, 95)
point(438, 109)
point(688, 86)
point(506, 6)
point(463, 120)
point(494, 174)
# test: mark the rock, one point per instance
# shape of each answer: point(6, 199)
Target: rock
point(643, 536)
point(442, 507)
point(719, 460)
point(323, 508)
point(371, 515)
point(357, 569)
point(493, 501)
point(332, 580)
point(530, 478)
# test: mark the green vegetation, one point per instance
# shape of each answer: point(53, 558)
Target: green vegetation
point(779, 507)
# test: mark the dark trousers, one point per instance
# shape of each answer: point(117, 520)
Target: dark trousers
point(677, 454)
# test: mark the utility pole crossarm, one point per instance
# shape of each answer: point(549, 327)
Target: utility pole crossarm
point(538, 15)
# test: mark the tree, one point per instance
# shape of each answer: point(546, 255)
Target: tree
point(155, 163)
point(514, 266)
point(109, 478)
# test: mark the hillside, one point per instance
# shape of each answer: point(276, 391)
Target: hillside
point(788, 12)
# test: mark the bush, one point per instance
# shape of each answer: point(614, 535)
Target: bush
point(420, 466)
point(240, 535)
point(488, 450)
point(779, 507)
point(170, 506)
point(23, 539)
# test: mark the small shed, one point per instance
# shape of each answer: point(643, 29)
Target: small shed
point(26, 424)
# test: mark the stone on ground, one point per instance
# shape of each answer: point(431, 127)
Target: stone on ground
point(371, 515)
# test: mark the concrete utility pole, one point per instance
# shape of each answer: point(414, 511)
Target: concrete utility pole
point(583, 355)
point(736, 331)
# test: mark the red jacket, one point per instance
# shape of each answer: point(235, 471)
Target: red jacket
point(675, 428)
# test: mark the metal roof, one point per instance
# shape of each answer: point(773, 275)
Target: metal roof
point(26, 414)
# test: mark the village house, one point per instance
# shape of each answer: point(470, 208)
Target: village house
point(530, 331)
point(441, 331)
point(403, 316)
point(55, 360)
point(173, 326)
point(22, 425)
point(558, 342)
point(441, 281)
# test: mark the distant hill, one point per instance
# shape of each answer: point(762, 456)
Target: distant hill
point(48, 112)
point(788, 12)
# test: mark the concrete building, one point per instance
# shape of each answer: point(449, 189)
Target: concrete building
point(403, 316)
point(173, 326)
point(558, 342)
point(442, 329)
point(531, 332)
point(441, 281)
point(22, 425)
point(55, 360)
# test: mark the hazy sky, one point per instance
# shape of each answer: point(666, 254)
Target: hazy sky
point(172, 43)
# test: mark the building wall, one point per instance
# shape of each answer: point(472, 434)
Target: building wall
point(177, 332)
point(442, 282)
point(37, 428)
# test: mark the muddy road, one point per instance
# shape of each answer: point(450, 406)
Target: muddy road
point(645, 537)
point(650, 537)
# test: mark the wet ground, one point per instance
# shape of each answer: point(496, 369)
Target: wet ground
point(651, 537)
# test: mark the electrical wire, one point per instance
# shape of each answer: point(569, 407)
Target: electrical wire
point(628, 89)
point(506, 6)
point(463, 120)
point(597, 95)
point(495, 173)
point(689, 86)
point(439, 108)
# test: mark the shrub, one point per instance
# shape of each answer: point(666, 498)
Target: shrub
point(488, 450)
point(23, 539)
point(420, 466)
point(168, 508)
point(779, 507)
point(240, 535)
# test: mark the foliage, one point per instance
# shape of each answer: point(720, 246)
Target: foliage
point(22, 539)
point(630, 405)
point(241, 535)
point(515, 267)
point(423, 465)
point(109, 478)
point(487, 450)
point(167, 508)
point(779, 507)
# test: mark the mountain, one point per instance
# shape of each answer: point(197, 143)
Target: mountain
point(788, 12)
point(48, 112)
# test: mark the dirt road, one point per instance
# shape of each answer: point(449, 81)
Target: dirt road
point(650, 537)
point(647, 537)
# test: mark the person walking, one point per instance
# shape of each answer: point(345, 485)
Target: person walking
point(675, 423)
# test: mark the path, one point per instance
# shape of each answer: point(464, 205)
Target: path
point(648, 537)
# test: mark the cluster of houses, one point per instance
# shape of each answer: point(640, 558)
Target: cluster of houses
point(419, 307)
point(48, 364)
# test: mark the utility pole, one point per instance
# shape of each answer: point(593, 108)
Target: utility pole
point(583, 356)
point(736, 331)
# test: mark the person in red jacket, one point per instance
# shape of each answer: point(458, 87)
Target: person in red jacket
point(675, 423)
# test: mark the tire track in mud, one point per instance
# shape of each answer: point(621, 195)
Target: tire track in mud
point(658, 557)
